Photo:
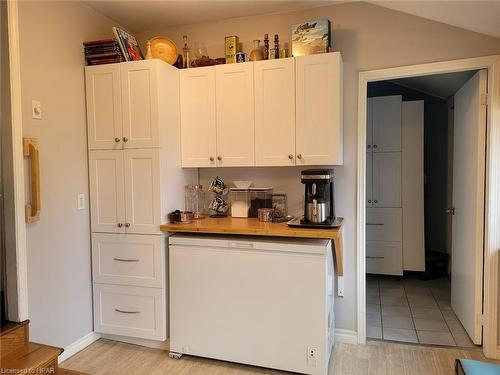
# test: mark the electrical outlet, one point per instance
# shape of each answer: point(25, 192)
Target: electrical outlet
point(80, 199)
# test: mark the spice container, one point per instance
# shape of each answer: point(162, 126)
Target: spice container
point(280, 206)
point(265, 214)
point(240, 202)
point(260, 198)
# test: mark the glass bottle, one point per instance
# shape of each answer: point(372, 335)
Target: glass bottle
point(266, 46)
point(186, 58)
point(256, 53)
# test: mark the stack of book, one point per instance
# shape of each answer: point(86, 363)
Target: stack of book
point(106, 51)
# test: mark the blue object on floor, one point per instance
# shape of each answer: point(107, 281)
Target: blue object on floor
point(472, 367)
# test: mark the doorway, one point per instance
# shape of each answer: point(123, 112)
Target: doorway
point(413, 282)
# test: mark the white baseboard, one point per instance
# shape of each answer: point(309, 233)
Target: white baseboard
point(78, 345)
point(163, 345)
point(346, 336)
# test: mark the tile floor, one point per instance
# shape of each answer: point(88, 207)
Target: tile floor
point(413, 311)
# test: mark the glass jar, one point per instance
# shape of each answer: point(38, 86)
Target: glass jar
point(195, 200)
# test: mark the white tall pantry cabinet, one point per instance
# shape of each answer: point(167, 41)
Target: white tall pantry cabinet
point(135, 180)
point(394, 186)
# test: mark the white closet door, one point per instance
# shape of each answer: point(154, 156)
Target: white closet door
point(235, 115)
point(142, 190)
point(198, 122)
point(140, 104)
point(386, 115)
point(387, 179)
point(369, 179)
point(107, 200)
point(319, 123)
point(104, 115)
point(274, 112)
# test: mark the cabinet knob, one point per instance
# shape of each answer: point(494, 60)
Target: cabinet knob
point(369, 146)
point(375, 201)
point(125, 139)
point(127, 225)
point(119, 225)
point(375, 146)
point(219, 158)
point(117, 139)
point(212, 158)
point(290, 156)
point(299, 156)
point(369, 201)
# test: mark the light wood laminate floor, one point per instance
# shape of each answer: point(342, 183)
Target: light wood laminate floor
point(377, 357)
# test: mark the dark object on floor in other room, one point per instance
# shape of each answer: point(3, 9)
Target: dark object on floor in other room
point(436, 265)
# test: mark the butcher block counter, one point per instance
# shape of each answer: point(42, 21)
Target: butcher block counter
point(254, 227)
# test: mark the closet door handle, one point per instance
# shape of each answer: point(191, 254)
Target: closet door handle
point(374, 223)
point(372, 257)
point(299, 156)
point(126, 260)
point(211, 158)
point(369, 146)
point(127, 225)
point(117, 139)
point(127, 311)
point(375, 146)
point(125, 139)
point(375, 201)
point(219, 158)
point(30, 150)
point(119, 225)
point(369, 201)
point(290, 156)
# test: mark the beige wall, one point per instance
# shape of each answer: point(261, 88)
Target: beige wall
point(369, 37)
point(58, 247)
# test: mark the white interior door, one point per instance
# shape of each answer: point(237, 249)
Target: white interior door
point(468, 201)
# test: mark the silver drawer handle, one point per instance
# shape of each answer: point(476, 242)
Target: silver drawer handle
point(127, 312)
point(374, 223)
point(126, 260)
point(370, 257)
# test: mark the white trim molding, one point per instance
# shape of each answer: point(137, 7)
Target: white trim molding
point(18, 162)
point(346, 336)
point(492, 198)
point(78, 345)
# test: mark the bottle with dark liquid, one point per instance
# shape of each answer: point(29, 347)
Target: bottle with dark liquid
point(276, 47)
point(266, 47)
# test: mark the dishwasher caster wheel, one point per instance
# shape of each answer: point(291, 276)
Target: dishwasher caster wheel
point(175, 355)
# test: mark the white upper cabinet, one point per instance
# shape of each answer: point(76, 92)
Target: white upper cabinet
point(319, 109)
point(123, 105)
point(386, 179)
point(107, 195)
point(235, 115)
point(142, 190)
point(275, 112)
point(140, 101)
point(386, 123)
point(104, 113)
point(198, 129)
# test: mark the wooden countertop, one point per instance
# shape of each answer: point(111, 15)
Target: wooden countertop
point(254, 227)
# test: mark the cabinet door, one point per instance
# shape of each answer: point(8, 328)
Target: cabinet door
point(386, 115)
point(140, 104)
point(142, 190)
point(387, 179)
point(198, 130)
point(107, 200)
point(235, 115)
point(369, 179)
point(274, 112)
point(369, 125)
point(104, 116)
point(319, 109)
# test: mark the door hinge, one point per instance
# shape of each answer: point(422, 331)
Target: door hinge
point(484, 99)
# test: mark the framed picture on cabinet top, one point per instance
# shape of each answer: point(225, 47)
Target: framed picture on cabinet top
point(311, 37)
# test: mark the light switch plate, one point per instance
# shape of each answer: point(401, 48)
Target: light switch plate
point(36, 109)
point(81, 201)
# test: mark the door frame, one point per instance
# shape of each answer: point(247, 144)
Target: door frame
point(491, 348)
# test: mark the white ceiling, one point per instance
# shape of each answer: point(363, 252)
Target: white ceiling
point(440, 85)
point(148, 15)
point(136, 15)
point(480, 16)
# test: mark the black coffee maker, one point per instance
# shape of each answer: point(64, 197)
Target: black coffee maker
point(319, 203)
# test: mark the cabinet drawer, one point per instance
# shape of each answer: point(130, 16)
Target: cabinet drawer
point(130, 311)
point(384, 257)
point(128, 259)
point(384, 224)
